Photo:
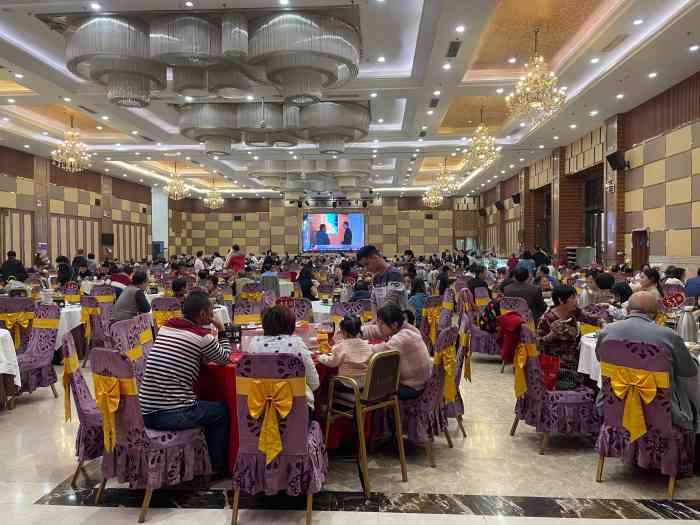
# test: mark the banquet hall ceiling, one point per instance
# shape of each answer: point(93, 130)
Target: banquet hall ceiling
point(418, 112)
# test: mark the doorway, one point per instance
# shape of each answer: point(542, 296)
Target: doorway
point(640, 249)
point(594, 207)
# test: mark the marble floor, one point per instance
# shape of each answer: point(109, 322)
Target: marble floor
point(487, 478)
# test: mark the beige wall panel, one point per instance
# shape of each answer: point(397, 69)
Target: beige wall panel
point(655, 219)
point(635, 156)
point(678, 191)
point(678, 141)
point(634, 200)
point(655, 172)
point(678, 243)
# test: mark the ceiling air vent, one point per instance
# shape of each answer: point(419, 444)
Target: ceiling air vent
point(147, 139)
point(614, 43)
point(434, 102)
point(453, 49)
point(88, 110)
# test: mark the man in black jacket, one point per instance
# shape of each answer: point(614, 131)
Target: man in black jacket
point(13, 267)
point(540, 257)
point(531, 293)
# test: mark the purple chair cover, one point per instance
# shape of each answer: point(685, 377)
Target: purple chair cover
point(126, 338)
point(448, 338)
point(519, 305)
point(227, 291)
point(302, 465)
point(89, 442)
point(245, 307)
point(10, 305)
point(670, 289)
point(480, 341)
point(268, 299)
point(357, 308)
point(35, 366)
point(164, 304)
point(142, 457)
point(423, 417)
point(447, 312)
point(302, 308)
point(664, 447)
point(597, 310)
point(252, 288)
point(555, 411)
point(103, 289)
point(97, 322)
point(481, 294)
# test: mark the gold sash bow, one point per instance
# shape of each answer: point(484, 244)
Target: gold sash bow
point(587, 328)
point(481, 301)
point(228, 297)
point(14, 322)
point(85, 313)
point(136, 352)
point(108, 392)
point(160, 317)
point(71, 298)
point(522, 352)
point(432, 316)
point(104, 298)
point(70, 365)
point(270, 397)
point(240, 319)
point(448, 306)
point(252, 296)
point(47, 324)
point(448, 359)
point(634, 385)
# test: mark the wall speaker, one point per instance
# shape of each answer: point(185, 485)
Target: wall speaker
point(499, 205)
point(616, 160)
point(107, 239)
point(516, 198)
point(482, 212)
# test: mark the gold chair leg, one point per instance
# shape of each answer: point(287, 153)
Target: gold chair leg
point(236, 501)
point(545, 442)
point(53, 389)
point(100, 491)
point(329, 412)
point(429, 452)
point(144, 506)
point(309, 507)
point(671, 486)
point(399, 440)
point(448, 438)
point(599, 469)
point(364, 467)
point(460, 424)
point(515, 426)
point(75, 475)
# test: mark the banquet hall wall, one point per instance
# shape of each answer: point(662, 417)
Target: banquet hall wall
point(41, 204)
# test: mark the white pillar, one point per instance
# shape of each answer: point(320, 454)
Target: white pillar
point(159, 216)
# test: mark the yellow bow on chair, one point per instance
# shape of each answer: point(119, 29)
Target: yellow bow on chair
point(228, 297)
point(522, 352)
point(587, 328)
point(448, 359)
point(104, 298)
point(71, 298)
point(108, 392)
point(14, 322)
point(448, 306)
point(252, 296)
point(634, 385)
point(241, 319)
point(432, 315)
point(268, 398)
point(70, 365)
point(85, 313)
point(160, 317)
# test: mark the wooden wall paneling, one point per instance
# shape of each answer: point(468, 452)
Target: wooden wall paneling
point(86, 180)
point(16, 163)
point(130, 191)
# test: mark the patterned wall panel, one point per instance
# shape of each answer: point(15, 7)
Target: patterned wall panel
point(17, 233)
point(75, 202)
point(542, 172)
point(587, 151)
point(68, 233)
point(383, 226)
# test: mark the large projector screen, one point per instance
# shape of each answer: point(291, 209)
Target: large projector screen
point(333, 232)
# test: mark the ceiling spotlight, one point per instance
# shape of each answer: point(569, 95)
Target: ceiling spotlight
point(541, 146)
point(374, 156)
point(499, 90)
point(19, 75)
point(284, 2)
point(522, 124)
point(104, 117)
point(216, 157)
point(447, 66)
point(512, 60)
point(107, 170)
point(66, 99)
point(595, 60)
point(11, 100)
point(295, 157)
point(620, 96)
point(693, 48)
point(373, 94)
point(95, 6)
point(437, 93)
point(593, 113)
point(374, 151)
point(188, 158)
point(134, 132)
point(123, 174)
point(511, 166)
point(44, 133)
point(256, 157)
point(375, 141)
point(137, 153)
point(460, 28)
point(148, 158)
point(381, 59)
point(453, 154)
point(417, 150)
point(380, 121)
point(108, 158)
point(463, 139)
point(26, 146)
point(521, 160)
point(189, 98)
point(653, 74)
point(249, 98)
point(424, 128)
point(420, 139)
point(429, 112)
point(556, 137)
point(638, 22)
point(572, 126)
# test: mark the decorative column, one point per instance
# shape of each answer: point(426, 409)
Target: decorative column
point(614, 196)
point(41, 196)
point(527, 235)
point(106, 252)
point(567, 207)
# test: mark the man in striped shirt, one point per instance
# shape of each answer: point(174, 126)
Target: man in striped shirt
point(166, 393)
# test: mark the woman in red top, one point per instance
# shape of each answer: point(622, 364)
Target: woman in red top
point(512, 262)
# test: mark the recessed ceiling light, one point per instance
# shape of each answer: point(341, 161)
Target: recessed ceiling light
point(460, 28)
point(512, 60)
point(375, 141)
point(189, 4)
point(572, 126)
point(420, 139)
point(137, 153)
point(256, 157)
point(95, 6)
point(417, 150)
point(148, 158)
point(484, 184)
point(541, 146)
point(593, 113)
point(595, 60)
point(335, 156)
point(108, 158)
point(26, 146)
point(295, 157)
point(249, 152)
point(11, 100)
point(373, 94)
point(374, 156)
point(437, 93)
point(118, 145)
point(123, 174)
point(44, 133)
point(284, 2)
point(447, 66)
point(556, 137)
point(66, 99)
point(104, 117)
point(638, 22)
point(107, 170)
point(429, 112)
point(499, 90)
point(381, 120)
point(374, 151)
point(134, 132)
point(463, 139)
point(521, 160)
point(693, 48)
point(424, 128)
point(381, 59)
point(453, 154)
point(140, 180)
point(216, 157)
point(249, 98)
point(620, 96)
point(189, 98)
point(522, 124)
point(188, 158)
point(19, 75)
point(653, 74)
point(5, 119)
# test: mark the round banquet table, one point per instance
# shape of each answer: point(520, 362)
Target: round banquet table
point(286, 288)
point(222, 315)
point(70, 319)
point(587, 360)
point(9, 369)
point(322, 312)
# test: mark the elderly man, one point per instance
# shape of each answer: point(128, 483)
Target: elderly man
point(639, 325)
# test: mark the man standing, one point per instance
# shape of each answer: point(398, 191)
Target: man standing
point(540, 257)
point(692, 286)
point(13, 267)
point(199, 262)
point(347, 236)
point(532, 294)
point(322, 237)
point(639, 326)
point(387, 281)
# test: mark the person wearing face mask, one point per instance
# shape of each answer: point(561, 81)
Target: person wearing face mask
point(398, 334)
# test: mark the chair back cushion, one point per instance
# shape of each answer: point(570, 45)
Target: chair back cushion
point(42, 339)
point(84, 402)
point(247, 312)
point(382, 378)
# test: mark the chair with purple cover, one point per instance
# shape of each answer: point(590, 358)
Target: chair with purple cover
point(252, 292)
point(454, 406)
point(479, 341)
point(597, 310)
point(92, 321)
point(70, 292)
point(247, 312)
point(89, 442)
point(164, 309)
point(104, 292)
point(303, 309)
point(423, 417)
point(361, 308)
point(645, 436)
point(520, 306)
point(481, 297)
point(294, 459)
point(133, 454)
point(429, 327)
point(325, 291)
point(133, 338)
point(35, 364)
point(16, 314)
point(268, 299)
point(228, 297)
point(447, 309)
point(549, 411)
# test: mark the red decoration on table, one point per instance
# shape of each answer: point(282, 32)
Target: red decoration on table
point(674, 300)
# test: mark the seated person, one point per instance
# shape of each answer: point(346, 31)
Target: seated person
point(545, 281)
point(351, 354)
point(361, 291)
point(212, 288)
point(398, 334)
point(278, 325)
point(84, 273)
point(132, 301)
point(202, 279)
point(618, 308)
point(120, 279)
point(307, 284)
point(479, 279)
point(639, 325)
point(166, 393)
point(179, 287)
point(416, 299)
point(558, 334)
point(531, 293)
point(603, 294)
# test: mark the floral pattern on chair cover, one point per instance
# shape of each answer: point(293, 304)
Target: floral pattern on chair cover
point(133, 338)
point(480, 341)
point(361, 308)
point(142, 457)
point(248, 312)
point(164, 308)
point(13, 305)
point(70, 292)
point(89, 442)
point(302, 308)
point(597, 310)
point(555, 411)
point(665, 447)
point(449, 337)
point(447, 309)
point(302, 465)
point(103, 290)
point(35, 366)
point(92, 313)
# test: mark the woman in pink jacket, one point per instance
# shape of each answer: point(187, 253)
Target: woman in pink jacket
point(416, 365)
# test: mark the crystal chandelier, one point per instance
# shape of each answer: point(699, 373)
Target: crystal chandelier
point(176, 188)
point(213, 200)
point(537, 95)
point(71, 155)
point(433, 198)
point(447, 181)
point(482, 150)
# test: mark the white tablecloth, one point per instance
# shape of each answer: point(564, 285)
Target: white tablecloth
point(322, 312)
point(587, 360)
point(70, 318)
point(221, 314)
point(286, 288)
point(8, 356)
